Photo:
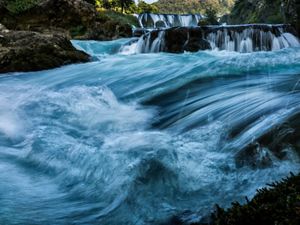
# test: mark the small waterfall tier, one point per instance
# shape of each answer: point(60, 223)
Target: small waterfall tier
point(239, 38)
point(154, 21)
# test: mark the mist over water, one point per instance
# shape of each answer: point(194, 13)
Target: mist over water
point(137, 138)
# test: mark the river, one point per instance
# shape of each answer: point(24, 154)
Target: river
point(138, 138)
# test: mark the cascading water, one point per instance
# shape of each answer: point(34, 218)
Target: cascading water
point(136, 139)
point(152, 20)
point(240, 38)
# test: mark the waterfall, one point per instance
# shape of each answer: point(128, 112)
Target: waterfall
point(239, 38)
point(151, 20)
point(151, 43)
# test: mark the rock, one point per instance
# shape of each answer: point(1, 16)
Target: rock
point(32, 51)
point(196, 44)
point(138, 32)
point(160, 24)
point(176, 39)
point(3, 28)
point(180, 39)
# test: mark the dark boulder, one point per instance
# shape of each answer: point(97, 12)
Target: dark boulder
point(196, 44)
point(180, 39)
point(32, 51)
point(176, 39)
point(138, 32)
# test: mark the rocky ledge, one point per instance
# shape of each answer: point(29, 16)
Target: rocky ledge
point(33, 51)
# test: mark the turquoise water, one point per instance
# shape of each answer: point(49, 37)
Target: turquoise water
point(139, 138)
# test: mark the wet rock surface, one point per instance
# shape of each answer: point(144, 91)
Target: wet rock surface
point(32, 51)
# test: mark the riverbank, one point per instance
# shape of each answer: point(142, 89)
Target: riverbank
point(76, 19)
point(36, 35)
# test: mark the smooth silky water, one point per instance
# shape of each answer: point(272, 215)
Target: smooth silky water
point(138, 138)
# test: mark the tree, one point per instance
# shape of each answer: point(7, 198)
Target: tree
point(125, 4)
point(143, 7)
point(115, 4)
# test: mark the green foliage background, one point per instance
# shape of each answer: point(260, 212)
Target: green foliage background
point(194, 6)
point(17, 6)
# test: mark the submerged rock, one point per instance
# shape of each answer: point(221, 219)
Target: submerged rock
point(32, 51)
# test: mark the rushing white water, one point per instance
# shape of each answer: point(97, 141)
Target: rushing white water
point(138, 138)
point(243, 39)
point(152, 20)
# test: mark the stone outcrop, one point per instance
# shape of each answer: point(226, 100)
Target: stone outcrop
point(32, 51)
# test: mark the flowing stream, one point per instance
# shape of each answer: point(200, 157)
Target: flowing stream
point(138, 138)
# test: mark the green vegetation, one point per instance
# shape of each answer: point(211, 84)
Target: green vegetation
point(77, 31)
point(18, 6)
point(218, 7)
point(279, 204)
point(127, 6)
point(221, 7)
point(143, 7)
point(106, 15)
point(117, 5)
point(263, 11)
